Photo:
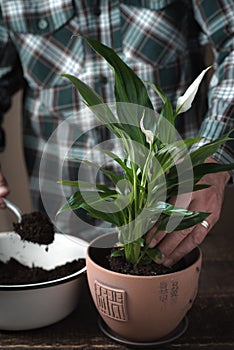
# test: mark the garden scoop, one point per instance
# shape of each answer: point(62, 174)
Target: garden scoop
point(13, 208)
point(34, 227)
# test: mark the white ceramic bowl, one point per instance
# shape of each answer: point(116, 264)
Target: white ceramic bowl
point(37, 305)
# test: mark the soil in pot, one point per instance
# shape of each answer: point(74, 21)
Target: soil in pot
point(35, 227)
point(102, 256)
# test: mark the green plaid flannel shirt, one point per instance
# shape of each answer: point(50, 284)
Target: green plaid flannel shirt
point(160, 39)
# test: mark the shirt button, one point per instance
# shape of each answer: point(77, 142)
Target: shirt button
point(97, 11)
point(103, 80)
point(43, 24)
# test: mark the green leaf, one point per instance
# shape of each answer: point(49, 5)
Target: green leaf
point(167, 110)
point(173, 191)
point(73, 203)
point(114, 177)
point(154, 254)
point(191, 221)
point(132, 251)
point(129, 116)
point(87, 199)
point(95, 102)
point(88, 185)
point(210, 168)
point(187, 222)
point(128, 86)
point(158, 91)
point(169, 209)
point(199, 187)
point(198, 172)
point(116, 220)
point(199, 155)
point(91, 97)
point(69, 183)
point(127, 171)
point(118, 253)
point(169, 154)
point(167, 131)
point(172, 213)
point(115, 157)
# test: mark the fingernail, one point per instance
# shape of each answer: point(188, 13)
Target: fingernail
point(161, 260)
point(168, 262)
point(153, 243)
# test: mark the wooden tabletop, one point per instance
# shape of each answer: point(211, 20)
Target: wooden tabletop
point(211, 319)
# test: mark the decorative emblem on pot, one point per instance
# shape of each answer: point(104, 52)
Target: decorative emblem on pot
point(111, 301)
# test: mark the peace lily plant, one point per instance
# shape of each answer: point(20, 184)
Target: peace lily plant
point(140, 192)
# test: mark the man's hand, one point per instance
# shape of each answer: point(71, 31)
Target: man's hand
point(177, 244)
point(4, 189)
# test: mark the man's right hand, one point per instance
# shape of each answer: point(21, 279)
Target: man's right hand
point(4, 189)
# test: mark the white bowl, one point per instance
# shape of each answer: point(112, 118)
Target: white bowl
point(29, 306)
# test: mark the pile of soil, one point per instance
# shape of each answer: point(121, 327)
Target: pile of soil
point(13, 272)
point(35, 227)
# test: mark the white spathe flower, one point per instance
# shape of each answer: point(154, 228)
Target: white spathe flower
point(148, 133)
point(184, 102)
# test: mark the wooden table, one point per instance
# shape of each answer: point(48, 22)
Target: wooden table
point(211, 319)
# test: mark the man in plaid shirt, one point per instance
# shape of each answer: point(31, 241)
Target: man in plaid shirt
point(160, 39)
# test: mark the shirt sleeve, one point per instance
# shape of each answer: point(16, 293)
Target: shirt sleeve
point(11, 77)
point(216, 19)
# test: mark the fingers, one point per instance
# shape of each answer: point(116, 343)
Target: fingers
point(175, 245)
point(185, 242)
point(4, 190)
point(171, 242)
point(153, 239)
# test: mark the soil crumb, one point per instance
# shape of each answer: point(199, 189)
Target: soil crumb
point(35, 227)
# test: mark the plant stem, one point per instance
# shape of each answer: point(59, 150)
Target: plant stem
point(145, 175)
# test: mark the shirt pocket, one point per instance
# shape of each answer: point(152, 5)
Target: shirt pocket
point(36, 16)
point(42, 32)
point(151, 31)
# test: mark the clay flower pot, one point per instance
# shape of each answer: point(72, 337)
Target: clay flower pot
point(140, 308)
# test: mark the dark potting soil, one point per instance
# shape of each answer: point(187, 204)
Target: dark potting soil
point(13, 272)
point(35, 227)
point(102, 256)
point(118, 264)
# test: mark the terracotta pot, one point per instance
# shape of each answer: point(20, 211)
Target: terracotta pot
point(141, 308)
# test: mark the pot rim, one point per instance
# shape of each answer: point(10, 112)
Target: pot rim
point(138, 276)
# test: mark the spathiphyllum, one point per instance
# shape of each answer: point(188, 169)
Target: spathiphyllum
point(155, 164)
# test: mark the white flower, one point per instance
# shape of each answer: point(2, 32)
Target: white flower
point(184, 102)
point(148, 133)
